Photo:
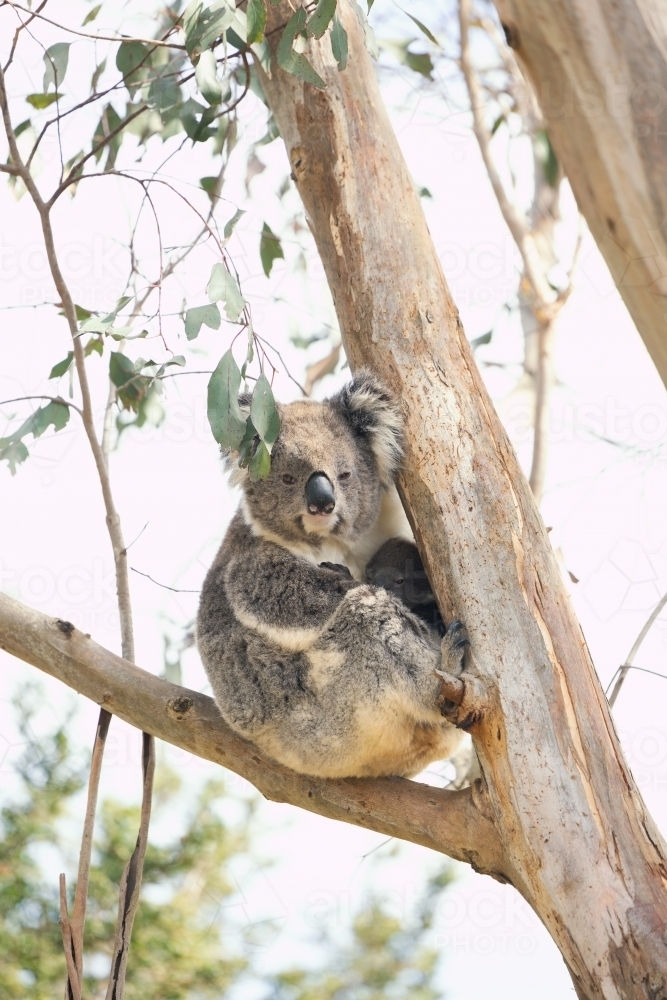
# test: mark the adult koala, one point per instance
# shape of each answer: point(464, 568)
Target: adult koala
point(327, 674)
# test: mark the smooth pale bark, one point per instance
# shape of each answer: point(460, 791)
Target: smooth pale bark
point(579, 843)
point(600, 73)
point(445, 821)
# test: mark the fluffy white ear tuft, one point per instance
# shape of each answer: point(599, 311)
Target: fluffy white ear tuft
point(373, 413)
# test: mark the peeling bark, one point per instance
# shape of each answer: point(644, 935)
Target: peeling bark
point(580, 845)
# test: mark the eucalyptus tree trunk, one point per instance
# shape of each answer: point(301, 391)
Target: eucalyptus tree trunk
point(578, 843)
point(600, 73)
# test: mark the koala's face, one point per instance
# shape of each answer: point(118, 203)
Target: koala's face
point(329, 466)
point(398, 568)
point(323, 479)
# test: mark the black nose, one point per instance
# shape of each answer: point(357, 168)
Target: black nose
point(319, 494)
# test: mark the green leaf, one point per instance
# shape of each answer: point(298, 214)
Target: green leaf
point(369, 35)
point(231, 225)
point(263, 412)
point(422, 27)
point(545, 154)
point(107, 124)
point(94, 344)
point(91, 15)
point(62, 366)
point(425, 193)
point(339, 43)
point(256, 13)
point(223, 288)
point(22, 127)
point(12, 449)
point(485, 338)
point(130, 383)
point(14, 452)
point(497, 123)
point(95, 78)
point(419, 62)
point(269, 249)
point(321, 17)
point(202, 25)
point(132, 60)
point(294, 62)
point(259, 465)
point(206, 76)
point(40, 101)
point(224, 414)
point(196, 120)
point(164, 92)
point(55, 65)
point(206, 315)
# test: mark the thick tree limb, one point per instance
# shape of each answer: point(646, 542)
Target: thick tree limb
point(600, 74)
point(453, 823)
point(570, 817)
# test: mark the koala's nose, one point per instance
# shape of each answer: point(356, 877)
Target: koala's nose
point(319, 494)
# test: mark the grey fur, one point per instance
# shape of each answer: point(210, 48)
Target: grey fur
point(327, 674)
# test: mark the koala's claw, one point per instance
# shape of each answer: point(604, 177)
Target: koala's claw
point(453, 648)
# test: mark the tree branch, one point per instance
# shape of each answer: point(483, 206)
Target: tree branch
point(453, 823)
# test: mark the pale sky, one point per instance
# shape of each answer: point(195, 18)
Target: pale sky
point(605, 503)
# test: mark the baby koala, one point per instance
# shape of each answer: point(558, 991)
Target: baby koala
point(397, 567)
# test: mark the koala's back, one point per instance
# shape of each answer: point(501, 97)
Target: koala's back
point(329, 676)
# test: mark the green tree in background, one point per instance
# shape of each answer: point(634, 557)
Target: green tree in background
point(179, 943)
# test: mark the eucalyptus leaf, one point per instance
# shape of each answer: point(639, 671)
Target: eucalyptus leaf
point(62, 366)
point(480, 341)
point(294, 62)
point(12, 448)
point(224, 414)
point(222, 287)
point(259, 465)
point(201, 315)
point(339, 43)
point(321, 18)
point(91, 15)
point(270, 249)
point(256, 15)
point(41, 101)
point(369, 35)
point(56, 58)
point(231, 225)
point(206, 76)
point(422, 27)
point(263, 412)
point(132, 60)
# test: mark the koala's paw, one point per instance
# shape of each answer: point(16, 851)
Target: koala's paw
point(337, 568)
point(460, 700)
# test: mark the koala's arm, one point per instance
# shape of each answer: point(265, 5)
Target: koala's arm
point(267, 583)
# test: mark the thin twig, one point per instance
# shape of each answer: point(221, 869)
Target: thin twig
point(112, 517)
point(73, 987)
point(623, 670)
point(53, 399)
point(95, 38)
point(130, 885)
point(176, 590)
point(81, 892)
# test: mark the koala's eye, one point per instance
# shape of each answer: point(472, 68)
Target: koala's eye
point(399, 581)
point(288, 480)
point(344, 475)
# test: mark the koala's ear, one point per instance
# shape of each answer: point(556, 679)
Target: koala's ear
point(373, 414)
